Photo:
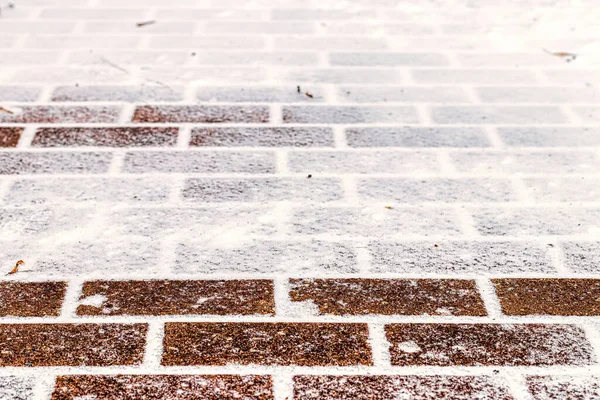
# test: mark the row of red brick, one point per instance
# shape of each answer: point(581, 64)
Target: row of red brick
point(449, 297)
point(328, 387)
point(295, 344)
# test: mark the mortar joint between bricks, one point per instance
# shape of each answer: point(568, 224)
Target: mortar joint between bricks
point(380, 346)
point(487, 291)
point(283, 385)
point(71, 299)
point(517, 385)
point(44, 386)
point(154, 344)
point(27, 137)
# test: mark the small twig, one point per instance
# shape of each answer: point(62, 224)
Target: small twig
point(140, 24)
point(309, 95)
point(6, 110)
point(16, 267)
point(563, 54)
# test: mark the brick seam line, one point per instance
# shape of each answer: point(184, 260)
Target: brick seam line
point(44, 386)
point(517, 385)
point(379, 346)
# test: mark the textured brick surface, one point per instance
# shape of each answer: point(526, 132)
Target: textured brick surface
point(116, 93)
point(59, 162)
point(9, 137)
point(262, 137)
point(17, 388)
point(307, 344)
point(176, 387)
point(416, 137)
point(33, 299)
point(112, 137)
point(488, 344)
point(200, 114)
point(349, 115)
point(557, 387)
point(57, 114)
point(582, 256)
point(533, 136)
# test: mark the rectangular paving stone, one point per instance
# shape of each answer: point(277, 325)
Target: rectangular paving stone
point(412, 136)
point(569, 76)
point(405, 94)
point(488, 344)
point(280, 136)
point(117, 93)
point(390, 296)
point(242, 42)
point(109, 137)
point(548, 296)
point(17, 387)
point(266, 257)
point(259, 27)
point(199, 161)
point(526, 162)
point(9, 137)
point(373, 221)
point(387, 59)
point(159, 387)
point(266, 94)
point(19, 56)
point(208, 13)
point(476, 76)
point(163, 297)
point(363, 162)
point(49, 42)
point(31, 299)
point(44, 345)
point(262, 189)
point(258, 57)
point(19, 162)
point(324, 43)
point(415, 191)
point(342, 76)
point(390, 387)
point(533, 136)
point(61, 114)
point(563, 387)
point(498, 115)
point(19, 93)
point(537, 94)
point(588, 114)
point(303, 344)
point(537, 221)
point(458, 256)
point(320, 14)
point(124, 58)
point(32, 221)
point(201, 114)
point(81, 190)
point(349, 114)
point(573, 189)
point(582, 256)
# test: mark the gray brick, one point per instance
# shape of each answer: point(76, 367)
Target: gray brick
point(208, 75)
point(126, 58)
point(164, 27)
point(79, 42)
point(37, 222)
point(374, 221)
point(387, 59)
point(495, 60)
point(416, 191)
point(588, 114)
point(329, 43)
point(92, 13)
point(363, 162)
point(535, 94)
point(457, 76)
point(199, 161)
point(259, 27)
point(262, 189)
point(17, 387)
point(532, 136)
point(564, 189)
point(14, 57)
point(204, 42)
point(544, 162)
point(367, 28)
point(537, 221)
point(67, 75)
point(266, 257)
point(498, 115)
point(256, 58)
point(349, 114)
point(117, 93)
point(450, 257)
point(321, 14)
point(341, 75)
point(83, 190)
point(267, 94)
point(211, 14)
point(581, 77)
point(18, 162)
point(263, 137)
point(583, 257)
point(19, 93)
point(416, 137)
point(406, 94)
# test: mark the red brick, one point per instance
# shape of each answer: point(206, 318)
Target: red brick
point(488, 344)
point(31, 299)
point(180, 297)
point(579, 387)
point(38, 345)
point(382, 387)
point(201, 114)
point(110, 137)
point(9, 137)
point(305, 344)
point(390, 296)
point(163, 387)
point(58, 114)
point(549, 296)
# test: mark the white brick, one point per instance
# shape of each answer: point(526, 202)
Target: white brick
point(538, 95)
point(476, 76)
point(498, 115)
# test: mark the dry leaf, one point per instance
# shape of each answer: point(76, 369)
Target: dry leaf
point(140, 24)
point(388, 207)
point(308, 95)
point(16, 267)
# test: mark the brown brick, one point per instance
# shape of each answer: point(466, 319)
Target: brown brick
point(58, 114)
point(563, 387)
point(180, 297)
point(38, 345)
point(110, 137)
point(263, 137)
point(161, 387)
point(9, 137)
point(549, 296)
point(488, 344)
point(307, 344)
point(201, 114)
point(31, 299)
point(390, 296)
point(382, 387)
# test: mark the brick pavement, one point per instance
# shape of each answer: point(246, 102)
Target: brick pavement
point(267, 199)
